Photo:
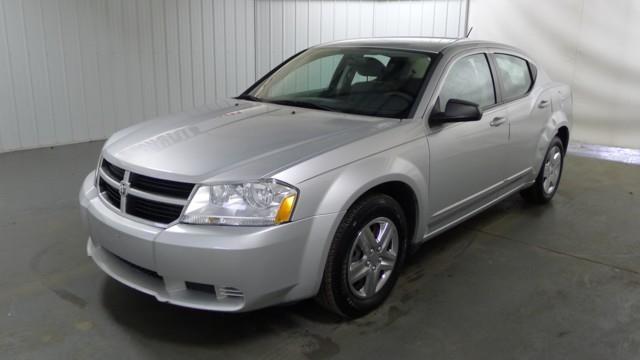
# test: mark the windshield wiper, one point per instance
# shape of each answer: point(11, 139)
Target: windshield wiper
point(303, 104)
point(249, 97)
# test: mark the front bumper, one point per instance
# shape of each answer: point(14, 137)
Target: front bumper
point(222, 268)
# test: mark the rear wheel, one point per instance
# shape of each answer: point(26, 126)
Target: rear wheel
point(365, 257)
point(548, 179)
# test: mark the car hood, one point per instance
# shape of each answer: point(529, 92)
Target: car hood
point(236, 138)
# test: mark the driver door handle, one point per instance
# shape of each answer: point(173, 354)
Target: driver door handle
point(543, 104)
point(497, 121)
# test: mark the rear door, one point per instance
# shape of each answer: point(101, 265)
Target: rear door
point(467, 159)
point(528, 108)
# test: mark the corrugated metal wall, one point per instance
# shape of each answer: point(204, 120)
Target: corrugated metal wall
point(77, 70)
point(284, 27)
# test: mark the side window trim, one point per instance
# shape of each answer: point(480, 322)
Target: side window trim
point(503, 98)
point(497, 85)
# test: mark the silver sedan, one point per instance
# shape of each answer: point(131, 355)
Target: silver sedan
point(320, 178)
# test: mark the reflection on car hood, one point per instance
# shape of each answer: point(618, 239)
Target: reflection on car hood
point(257, 137)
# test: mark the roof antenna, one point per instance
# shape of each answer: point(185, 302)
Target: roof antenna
point(469, 32)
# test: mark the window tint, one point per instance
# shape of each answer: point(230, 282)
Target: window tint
point(514, 75)
point(469, 79)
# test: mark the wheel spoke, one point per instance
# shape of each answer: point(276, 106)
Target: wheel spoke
point(385, 236)
point(370, 283)
point(370, 238)
point(365, 240)
point(358, 270)
point(377, 274)
point(387, 265)
point(555, 160)
point(388, 255)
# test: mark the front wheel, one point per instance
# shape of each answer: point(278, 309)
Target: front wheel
point(365, 257)
point(548, 179)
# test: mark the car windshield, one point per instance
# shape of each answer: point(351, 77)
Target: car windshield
point(376, 82)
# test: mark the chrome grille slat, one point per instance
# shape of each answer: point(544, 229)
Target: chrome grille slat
point(158, 209)
point(229, 292)
point(109, 179)
point(158, 198)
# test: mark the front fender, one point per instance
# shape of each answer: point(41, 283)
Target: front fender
point(338, 189)
point(334, 192)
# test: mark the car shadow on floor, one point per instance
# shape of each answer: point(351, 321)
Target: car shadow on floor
point(151, 319)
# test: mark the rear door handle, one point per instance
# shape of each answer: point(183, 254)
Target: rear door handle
point(497, 121)
point(543, 104)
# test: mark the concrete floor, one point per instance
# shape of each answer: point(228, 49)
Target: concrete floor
point(517, 282)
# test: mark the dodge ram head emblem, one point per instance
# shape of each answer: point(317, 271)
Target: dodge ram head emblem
point(124, 188)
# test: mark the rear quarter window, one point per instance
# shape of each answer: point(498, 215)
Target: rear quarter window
point(515, 76)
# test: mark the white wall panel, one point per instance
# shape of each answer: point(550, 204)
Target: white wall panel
point(9, 131)
point(77, 70)
point(284, 27)
point(590, 44)
point(21, 84)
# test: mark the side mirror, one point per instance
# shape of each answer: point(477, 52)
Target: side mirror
point(458, 111)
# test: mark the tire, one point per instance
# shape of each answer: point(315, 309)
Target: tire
point(548, 180)
point(354, 293)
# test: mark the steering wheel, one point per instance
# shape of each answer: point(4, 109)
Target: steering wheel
point(391, 94)
point(400, 94)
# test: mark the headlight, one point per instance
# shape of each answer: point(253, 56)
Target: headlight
point(257, 203)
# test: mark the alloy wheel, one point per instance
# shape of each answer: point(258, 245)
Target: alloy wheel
point(373, 257)
point(552, 168)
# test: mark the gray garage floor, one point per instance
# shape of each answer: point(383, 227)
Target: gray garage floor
point(517, 282)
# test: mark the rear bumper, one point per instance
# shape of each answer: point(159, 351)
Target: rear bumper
point(219, 268)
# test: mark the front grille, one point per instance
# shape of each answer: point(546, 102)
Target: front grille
point(110, 193)
point(156, 200)
point(159, 186)
point(114, 172)
point(152, 210)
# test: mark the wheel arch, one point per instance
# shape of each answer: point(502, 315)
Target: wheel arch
point(403, 181)
point(563, 134)
point(406, 197)
point(559, 125)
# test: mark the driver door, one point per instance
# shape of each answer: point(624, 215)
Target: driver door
point(466, 159)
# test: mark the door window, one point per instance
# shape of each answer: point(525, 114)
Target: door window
point(469, 79)
point(514, 75)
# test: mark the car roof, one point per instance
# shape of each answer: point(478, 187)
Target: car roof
point(428, 44)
